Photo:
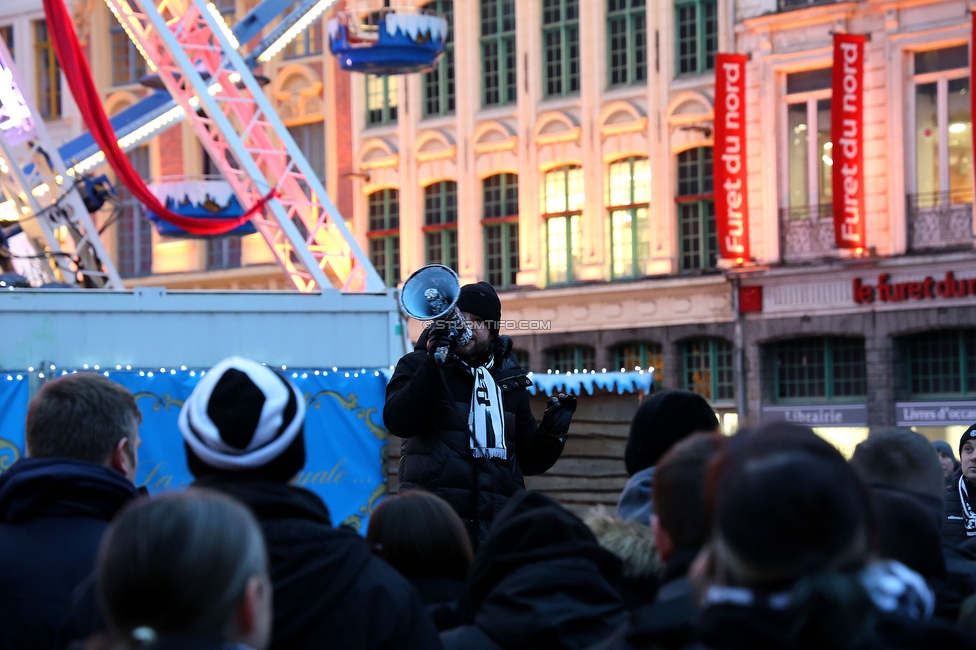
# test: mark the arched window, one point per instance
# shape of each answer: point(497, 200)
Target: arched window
point(439, 82)
point(708, 369)
point(628, 201)
point(498, 57)
point(697, 238)
point(941, 363)
point(562, 209)
point(384, 234)
point(500, 220)
point(571, 358)
point(819, 368)
point(640, 354)
point(440, 223)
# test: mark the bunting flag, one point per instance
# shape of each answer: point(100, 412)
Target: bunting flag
point(78, 74)
point(847, 135)
point(731, 201)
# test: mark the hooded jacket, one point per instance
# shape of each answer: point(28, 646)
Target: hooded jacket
point(436, 450)
point(53, 513)
point(329, 590)
point(540, 580)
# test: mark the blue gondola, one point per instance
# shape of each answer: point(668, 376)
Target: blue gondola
point(392, 41)
point(201, 200)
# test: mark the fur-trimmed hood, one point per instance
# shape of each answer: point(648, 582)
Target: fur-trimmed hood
point(630, 541)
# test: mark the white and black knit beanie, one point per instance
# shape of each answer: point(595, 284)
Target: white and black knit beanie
point(244, 418)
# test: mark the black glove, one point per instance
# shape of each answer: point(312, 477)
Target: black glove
point(559, 413)
point(438, 339)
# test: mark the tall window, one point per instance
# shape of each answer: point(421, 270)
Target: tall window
point(500, 219)
point(440, 223)
point(7, 34)
point(628, 200)
point(310, 138)
point(439, 82)
point(562, 209)
point(810, 153)
point(498, 63)
point(941, 363)
point(696, 22)
point(381, 99)
point(698, 241)
point(571, 358)
point(308, 43)
point(48, 73)
point(223, 253)
point(626, 42)
point(560, 42)
point(820, 368)
point(384, 234)
point(708, 368)
point(134, 232)
point(943, 126)
point(640, 355)
point(127, 64)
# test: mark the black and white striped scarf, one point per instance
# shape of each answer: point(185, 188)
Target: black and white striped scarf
point(486, 419)
point(967, 510)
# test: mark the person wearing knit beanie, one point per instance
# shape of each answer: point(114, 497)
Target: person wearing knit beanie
point(959, 524)
point(663, 419)
point(243, 429)
point(244, 418)
point(482, 301)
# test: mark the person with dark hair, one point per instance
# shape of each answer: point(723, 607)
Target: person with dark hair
point(420, 535)
point(243, 428)
point(186, 570)
point(663, 419)
point(905, 477)
point(947, 458)
point(959, 524)
point(540, 580)
point(82, 433)
point(469, 434)
point(788, 564)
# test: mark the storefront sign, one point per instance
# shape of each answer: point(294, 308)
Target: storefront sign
point(731, 201)
point(929, 288)
point(847, 134)
point(935, 414)
point(819, 415)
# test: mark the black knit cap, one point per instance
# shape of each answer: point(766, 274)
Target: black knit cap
point(481, 300)
point(969, 434)
point(664, 418)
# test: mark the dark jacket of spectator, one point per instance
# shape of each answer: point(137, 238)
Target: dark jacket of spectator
point(633, 543)
point(956, 526)
point(329, 589)
point(436, 453)
point(540, 580)
point(53, 513)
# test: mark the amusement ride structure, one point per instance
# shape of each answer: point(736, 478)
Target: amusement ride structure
point(205, 70)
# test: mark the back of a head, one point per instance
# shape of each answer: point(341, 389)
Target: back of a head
point(421, 536)
point(663, 419)
point(679, 489)
point(178, 564)
point(899, 458)
point(81, 416)
point(786, 504)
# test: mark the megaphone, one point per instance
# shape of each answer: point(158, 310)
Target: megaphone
point(430, 294)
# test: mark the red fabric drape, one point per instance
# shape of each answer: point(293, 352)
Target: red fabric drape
point(78, 74)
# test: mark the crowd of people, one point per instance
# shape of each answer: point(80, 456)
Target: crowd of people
point(769, 538)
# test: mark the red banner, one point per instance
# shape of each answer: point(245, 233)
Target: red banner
point(731, 196)
point(847, 135)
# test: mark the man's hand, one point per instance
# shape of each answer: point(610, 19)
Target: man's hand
point(558, 415)
point(440, 338)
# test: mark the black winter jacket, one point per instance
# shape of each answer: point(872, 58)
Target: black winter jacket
point(329, 590)
point(954, 523)
point(436, 453)
point(53, 513)
point(540, 580)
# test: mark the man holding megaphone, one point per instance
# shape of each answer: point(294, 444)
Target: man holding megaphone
point(460, 403)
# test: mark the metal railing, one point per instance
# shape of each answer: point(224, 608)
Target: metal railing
point(939, 220)
point(806, 232)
